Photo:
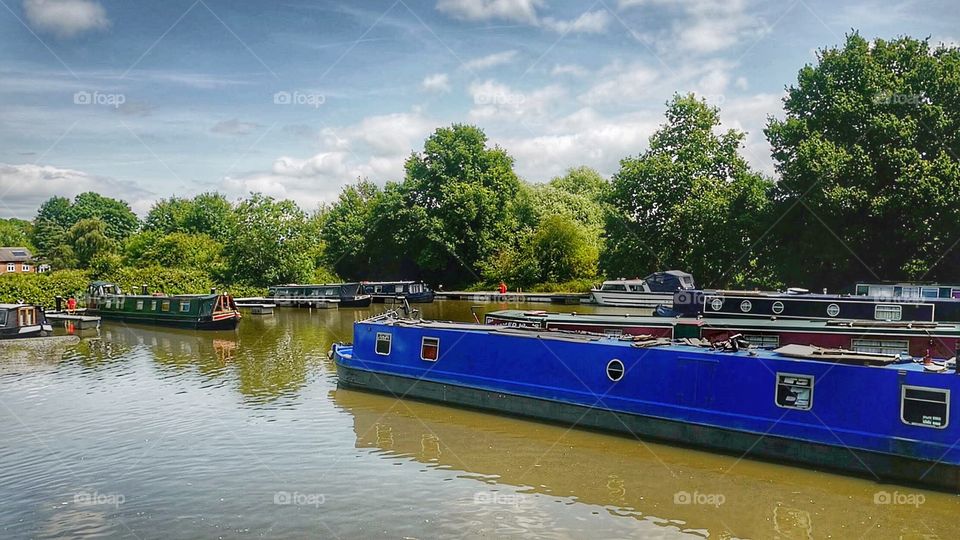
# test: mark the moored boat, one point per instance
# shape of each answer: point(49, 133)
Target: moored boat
point(199, 311)
point(876, 415)
point(895, 337)
point(654, 290)
point(319, 295)
point(412, 291)
point(788, 305)
point(23, 321)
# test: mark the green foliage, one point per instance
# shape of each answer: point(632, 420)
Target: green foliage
point(175, 250)
point(120, 221)
point(690, 201)
point(160, 279)
point(88, 240)
point(16, 233)
point(461, 195)
point(564, 250)
point(867, 156)
point(347, 229)
point(208, 213)
point(41, 289)
point(272, 243)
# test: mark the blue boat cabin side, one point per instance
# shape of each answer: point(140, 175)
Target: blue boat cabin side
point(892, 411)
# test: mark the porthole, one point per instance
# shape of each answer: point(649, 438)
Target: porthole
point(716, 304)
point(777, 307)
point(615, 370)
point(746, 306)
point(833, 310)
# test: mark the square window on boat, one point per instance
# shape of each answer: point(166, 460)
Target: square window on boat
point(184, 307)
point(165, 305)
point(153, 305)
point(887, 312)
point(927, 407)
point(109, 303)
point(378, 288)
point(762, 341)
point(383, 343)
point(613, 332)
point(139, 305)
point(880, 346)
point(430, 349)
point(794, 391)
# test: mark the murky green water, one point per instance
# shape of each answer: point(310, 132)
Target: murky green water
point(144, 432)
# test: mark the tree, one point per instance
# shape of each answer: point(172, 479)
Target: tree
point(462, 194)
point(868, 160)
point(167, 215)
point(88, 240)
point(116, 215)
point(175, 250)
point(210, 214)
point(689, 202)
point(271, 244)
point(347, 229)
point(52, 221)
point(16, 233)
point(564, 249)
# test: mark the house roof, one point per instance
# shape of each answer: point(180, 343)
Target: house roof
point(15, 254)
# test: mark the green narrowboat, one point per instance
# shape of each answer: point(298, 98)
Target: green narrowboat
point(199, 311)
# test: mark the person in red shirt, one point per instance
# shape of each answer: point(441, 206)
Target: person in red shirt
point(503, 287)
point(71, 305)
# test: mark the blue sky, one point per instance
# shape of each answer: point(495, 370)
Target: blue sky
point(142, 100)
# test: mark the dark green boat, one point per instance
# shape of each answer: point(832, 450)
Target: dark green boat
point(199, 311)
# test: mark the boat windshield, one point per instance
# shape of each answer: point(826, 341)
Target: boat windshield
point(613, 287)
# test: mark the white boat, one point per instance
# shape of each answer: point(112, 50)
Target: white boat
point(650, 292)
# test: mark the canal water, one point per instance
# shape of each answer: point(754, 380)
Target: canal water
point(142, 432)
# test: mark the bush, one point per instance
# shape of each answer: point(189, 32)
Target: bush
point(42, 288)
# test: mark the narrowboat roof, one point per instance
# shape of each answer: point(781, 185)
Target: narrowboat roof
point(398, 282)
point(823, 297)
point(15, 306)
point(865, 326)
point(799, 353)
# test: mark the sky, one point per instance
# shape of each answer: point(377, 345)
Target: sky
point(295, 99)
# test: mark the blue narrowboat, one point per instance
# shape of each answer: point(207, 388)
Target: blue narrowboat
point(882, 416)
point(412, 291)
point(319, 295)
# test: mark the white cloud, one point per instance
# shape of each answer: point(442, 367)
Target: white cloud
point(374, 148)
point(438, 83)
point(234, 127)
point(486, 10)
point(65, 18)
point(489, 61)
point(590, 22)
point(618, 84)
point(23, 188)
point(703, 26)
point(492, 99)
point(569, 69)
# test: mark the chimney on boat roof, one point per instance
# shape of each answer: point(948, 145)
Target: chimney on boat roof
point(213, 290)
point(143, 290)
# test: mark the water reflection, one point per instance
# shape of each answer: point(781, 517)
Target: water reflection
point(679, 489)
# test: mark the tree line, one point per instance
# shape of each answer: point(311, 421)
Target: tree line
point(867, 189)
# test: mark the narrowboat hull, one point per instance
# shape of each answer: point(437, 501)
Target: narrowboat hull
point(414, 298)
point(743, 444)
point(19, 332)
point(203, 323)
point(357, 301)
point(873, 421)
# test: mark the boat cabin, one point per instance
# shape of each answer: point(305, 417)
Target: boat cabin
point(908, 290)
point(667, 282)
point(22, 320)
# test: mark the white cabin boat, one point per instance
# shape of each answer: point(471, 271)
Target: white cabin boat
point(650, 292)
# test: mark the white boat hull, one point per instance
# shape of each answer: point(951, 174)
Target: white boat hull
point(631, 299)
